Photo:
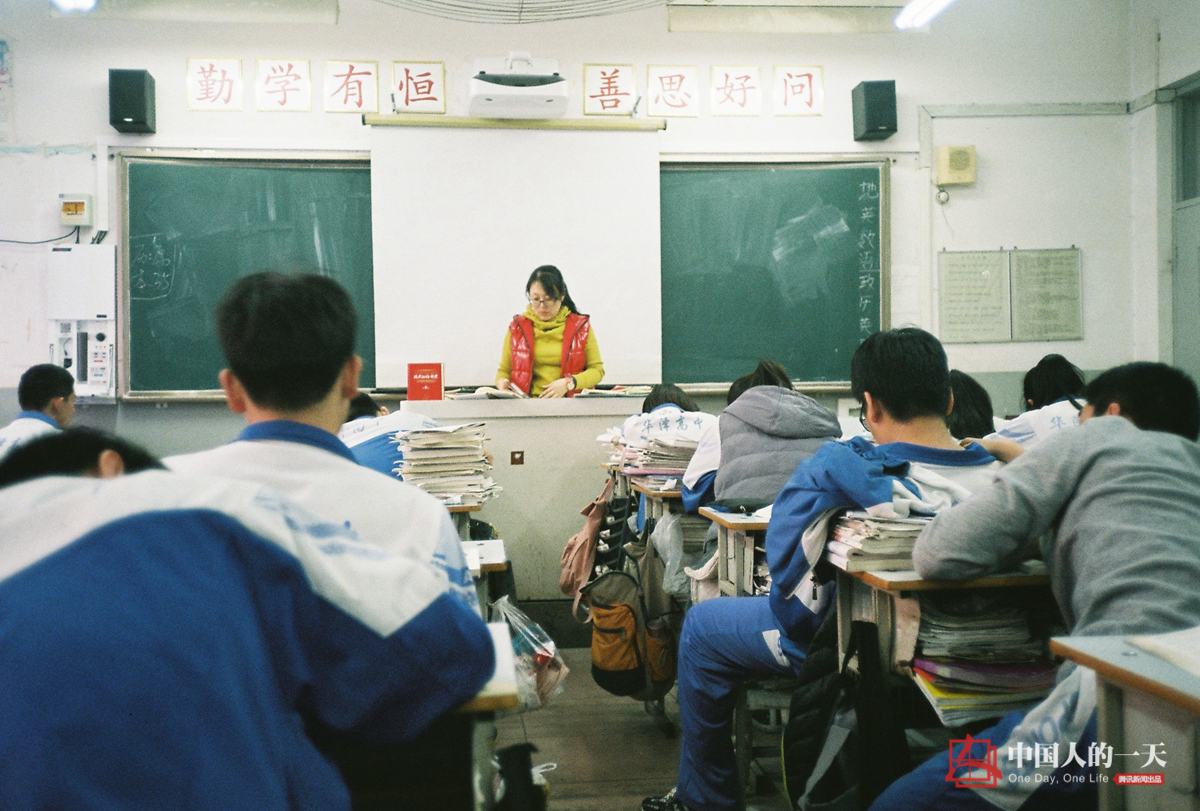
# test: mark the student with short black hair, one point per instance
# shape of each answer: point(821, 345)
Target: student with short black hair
point(1053, 397)
point(971, 415)
point(364, 405)
point(289, 343)
point(1053, 378)
point(668, 394)
point(1114, 504)
point(75, 452)
point(917, 466)
point(46, 394)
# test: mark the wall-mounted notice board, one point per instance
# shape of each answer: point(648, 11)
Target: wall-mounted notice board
point(193, 225)
point(780, 261)
point(1001, 296)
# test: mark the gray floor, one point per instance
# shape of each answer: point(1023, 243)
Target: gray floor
point(610, 753)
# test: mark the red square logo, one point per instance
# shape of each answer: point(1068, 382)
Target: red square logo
point(977, 759)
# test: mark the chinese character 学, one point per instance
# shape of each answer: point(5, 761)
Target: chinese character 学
point(978, 758)
point(351, 88)
point(610, 92)
point(282, 80)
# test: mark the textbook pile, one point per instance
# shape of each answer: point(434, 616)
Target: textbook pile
point(860, 542)
point(447, 462)
point(978, 660)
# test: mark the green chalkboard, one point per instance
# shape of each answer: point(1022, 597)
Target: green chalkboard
point(194, 226)
point(780, 261)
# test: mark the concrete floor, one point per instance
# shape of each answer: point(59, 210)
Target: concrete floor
point(610, 753)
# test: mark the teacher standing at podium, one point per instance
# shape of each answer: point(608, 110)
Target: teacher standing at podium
point(550, 350)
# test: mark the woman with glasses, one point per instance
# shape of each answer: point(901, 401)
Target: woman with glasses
point(550, 350)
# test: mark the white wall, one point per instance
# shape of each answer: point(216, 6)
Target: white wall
point(978, 52)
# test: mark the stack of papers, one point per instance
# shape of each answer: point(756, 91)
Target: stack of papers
point(860, 542)
point(447, 462)
point(978, 660)
point(664, 455)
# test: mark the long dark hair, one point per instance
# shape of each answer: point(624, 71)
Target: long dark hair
point(551, 280)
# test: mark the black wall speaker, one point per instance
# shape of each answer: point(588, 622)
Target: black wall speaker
point(131, 100)
point(874, 110)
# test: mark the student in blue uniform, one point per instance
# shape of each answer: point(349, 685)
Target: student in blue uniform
point(1114, 504)
point(902, 381)
point(46, 394)
point(166, 638)
point(289, 343)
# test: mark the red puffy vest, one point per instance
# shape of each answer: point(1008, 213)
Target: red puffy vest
point(574, 349)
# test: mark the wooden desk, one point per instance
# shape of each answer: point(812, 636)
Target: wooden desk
point(888, 599)
point(485, 558)
point(1142, 700)
point(658, 502)
point(737, 536)
point(461, 515)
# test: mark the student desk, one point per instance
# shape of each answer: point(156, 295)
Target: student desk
point(737, 537)
point(460, 514)
point(1142, 700)
point(448, 767)
point(889, 600)
point(658, 502)
point(484, 559)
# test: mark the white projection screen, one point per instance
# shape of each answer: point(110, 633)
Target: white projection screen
point(461, 217)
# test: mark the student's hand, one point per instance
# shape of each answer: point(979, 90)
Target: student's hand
point(504, 384)
point(1003, 449)
point(556, 389)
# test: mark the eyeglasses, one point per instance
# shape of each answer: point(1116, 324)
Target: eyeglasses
point(543, 302)
point(862, 419)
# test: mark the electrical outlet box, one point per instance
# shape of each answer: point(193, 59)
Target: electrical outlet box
point(76, 210)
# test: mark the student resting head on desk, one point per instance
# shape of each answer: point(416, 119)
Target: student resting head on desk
point(766, 429)
point(902, 381)
point(46, 395)
point(289, 343)
point(550, 350)
point(1053, 399)
point(1115, 503)
point(168, 638)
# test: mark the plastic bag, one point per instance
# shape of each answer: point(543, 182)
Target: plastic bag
point(540, 667)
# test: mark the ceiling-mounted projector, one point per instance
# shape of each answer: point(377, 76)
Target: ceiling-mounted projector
point(518, 86)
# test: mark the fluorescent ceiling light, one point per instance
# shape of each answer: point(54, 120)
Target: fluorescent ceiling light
point(918, 13)
point(68, 6)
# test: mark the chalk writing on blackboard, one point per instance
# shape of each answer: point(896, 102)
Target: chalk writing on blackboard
point(152, 263)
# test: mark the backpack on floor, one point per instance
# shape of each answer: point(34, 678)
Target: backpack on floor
point(842, 745)
point(633, 637)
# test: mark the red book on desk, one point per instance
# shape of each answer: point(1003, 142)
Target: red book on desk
point(425, 381)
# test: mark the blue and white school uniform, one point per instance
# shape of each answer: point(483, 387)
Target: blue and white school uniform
point(161, 634)
point(372, 439)
point(723, 641)
point(26, 426)
point(316, 470)
point(1032, 427)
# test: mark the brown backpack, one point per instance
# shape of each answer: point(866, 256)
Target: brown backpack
point(579, 556)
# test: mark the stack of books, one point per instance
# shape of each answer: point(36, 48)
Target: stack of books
point(666, 455)
point(859, 542)
point(979, 661)
point(447, 462)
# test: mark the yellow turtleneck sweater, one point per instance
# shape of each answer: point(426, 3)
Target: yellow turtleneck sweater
point(547, 354)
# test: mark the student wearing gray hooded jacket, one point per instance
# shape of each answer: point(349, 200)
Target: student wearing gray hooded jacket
point(767, 429)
